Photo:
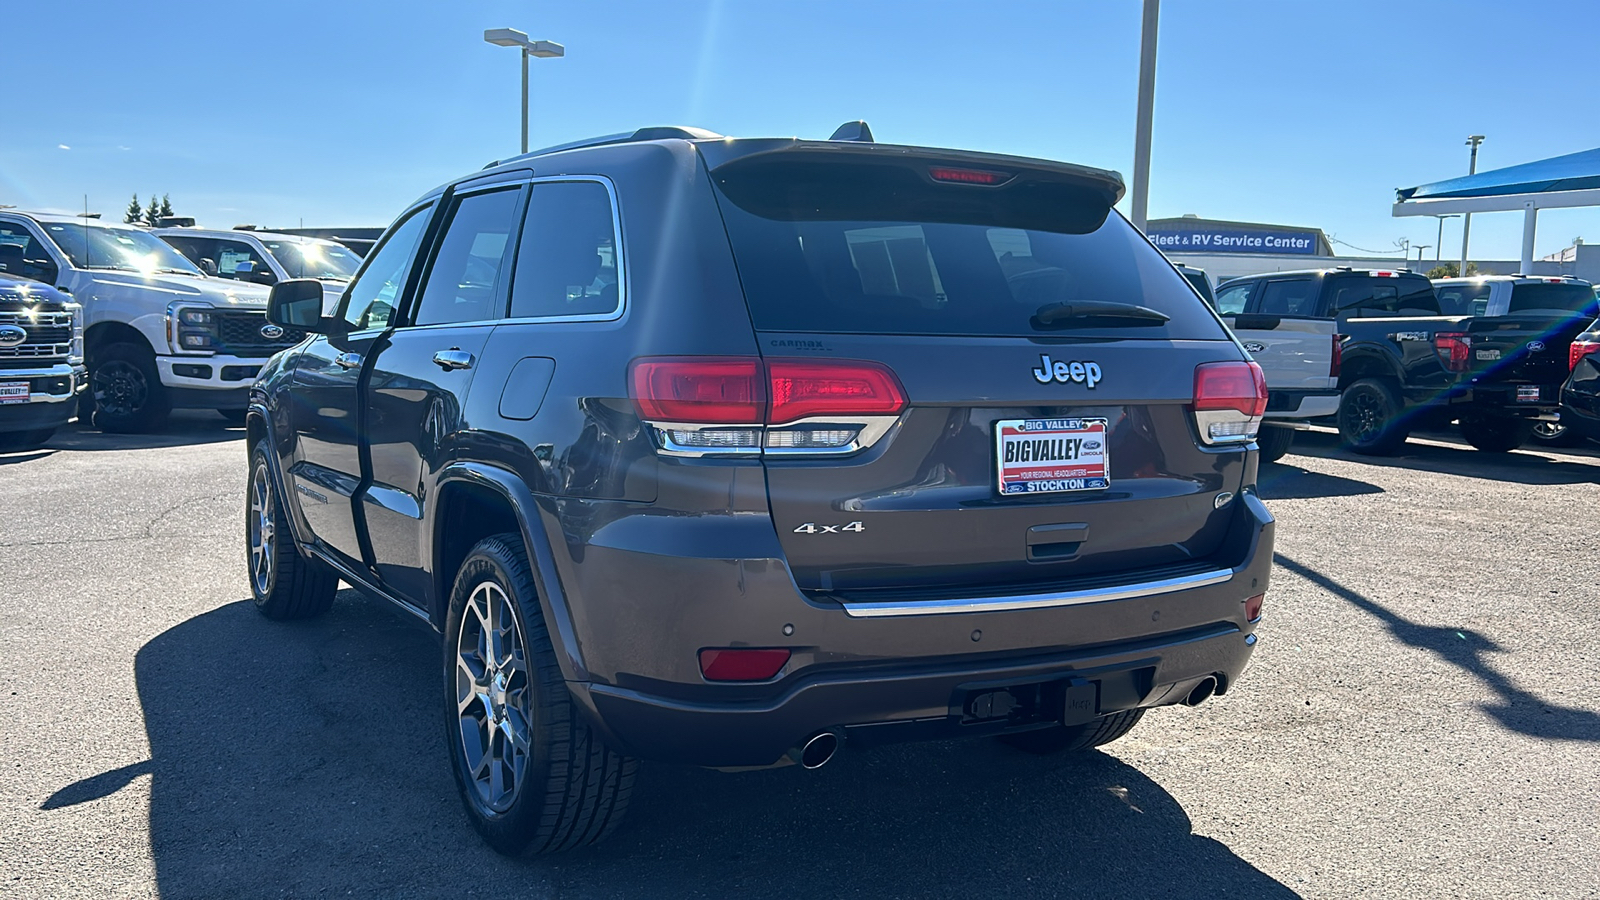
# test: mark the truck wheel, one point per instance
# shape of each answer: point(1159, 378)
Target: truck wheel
point(284, 583)
point(128, 396)
point(1069, 738)
point(1555, 434)
point(534, 777)
point(1495, 434)
point(1274, 442)
point(1369, 417)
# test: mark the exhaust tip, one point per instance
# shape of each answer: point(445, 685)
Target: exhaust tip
point(1202, 691)
point(816, 752)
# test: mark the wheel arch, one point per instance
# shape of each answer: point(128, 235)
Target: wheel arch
point(258, 428)
point(1365, 362)
point(475, 500)
point(104, 334)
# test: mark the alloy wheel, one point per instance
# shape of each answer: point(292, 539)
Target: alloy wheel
point(263, 531)
point(1364, 415)
point(1549, 431)
point(494, 697)
point(119, 387)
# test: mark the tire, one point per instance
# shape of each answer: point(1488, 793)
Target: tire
point(284, 583)
point(234, 416)
point(1370, 417)
point(128, 395)
point(1495, 434)
point(571, 789)
point(25, 440)
point(1274, 442)
point(1555, 434)
point(1072, 738)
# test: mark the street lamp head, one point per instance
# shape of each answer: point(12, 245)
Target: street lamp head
point(546, 49)
point(1475, 139)
point(506, 37)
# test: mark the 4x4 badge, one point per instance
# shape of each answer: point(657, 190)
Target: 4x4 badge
point(1084, 373)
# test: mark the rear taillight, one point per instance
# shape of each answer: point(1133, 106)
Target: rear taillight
point(1579, 350)
point(1229, 400)
point(743, 406)
point(1336, 361)
point(1454, 349)
point(742, 664)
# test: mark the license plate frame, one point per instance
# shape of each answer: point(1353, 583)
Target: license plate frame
point(1528, 393)
point(13, 392)
point(1083, 463)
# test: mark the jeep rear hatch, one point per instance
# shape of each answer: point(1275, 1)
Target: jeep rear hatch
point(1046, 357)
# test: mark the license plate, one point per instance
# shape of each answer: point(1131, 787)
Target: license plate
point(1528, 393)
point(13, 392)
point(1047, 456)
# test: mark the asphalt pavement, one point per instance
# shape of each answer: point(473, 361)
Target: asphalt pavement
point(1422, 720)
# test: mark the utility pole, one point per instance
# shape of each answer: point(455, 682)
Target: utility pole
point(1466, 222)
point(1147, 102)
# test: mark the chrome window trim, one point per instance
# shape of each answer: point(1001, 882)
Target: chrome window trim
point(867, 610)
point(623, 285)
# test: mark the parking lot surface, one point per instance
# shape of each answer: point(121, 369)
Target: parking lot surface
point(1422, 719)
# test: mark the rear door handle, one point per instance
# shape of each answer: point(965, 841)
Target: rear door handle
point(454, 358)
point(348, 360)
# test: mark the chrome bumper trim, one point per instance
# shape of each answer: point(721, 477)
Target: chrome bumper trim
point(1037, 601)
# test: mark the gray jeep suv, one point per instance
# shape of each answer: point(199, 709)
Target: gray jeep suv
point(732, 452)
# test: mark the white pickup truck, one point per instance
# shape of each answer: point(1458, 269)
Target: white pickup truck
point(1299, 353)
point(159, 333)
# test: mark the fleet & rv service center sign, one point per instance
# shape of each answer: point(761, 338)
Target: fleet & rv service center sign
point(1223, 240)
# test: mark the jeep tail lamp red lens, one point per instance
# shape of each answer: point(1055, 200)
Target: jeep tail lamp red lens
point(739, 664)
point(802, 388)
point(1579, 350)
point(1229, 400)
point(1454, 349)
point(713, 390)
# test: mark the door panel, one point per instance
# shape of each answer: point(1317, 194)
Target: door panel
point(327, 470)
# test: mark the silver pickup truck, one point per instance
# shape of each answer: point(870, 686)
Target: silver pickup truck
point(1298, 352)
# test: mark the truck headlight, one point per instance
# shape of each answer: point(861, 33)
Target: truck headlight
point(192, 329)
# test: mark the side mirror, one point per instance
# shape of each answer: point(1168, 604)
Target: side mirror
point(297, 303)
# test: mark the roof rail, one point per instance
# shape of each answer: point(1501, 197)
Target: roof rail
point(648, 133)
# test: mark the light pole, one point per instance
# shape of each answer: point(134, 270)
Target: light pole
point(1147, 102)
point(1420, 248)
point(1439, 242)
point(1466, 223)
point(510, 37)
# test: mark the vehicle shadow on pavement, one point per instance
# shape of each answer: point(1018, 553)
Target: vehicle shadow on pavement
point(1530, 465)
point(309, 758)
point(185, 428)
point(1514, 708)
point(1286, 481)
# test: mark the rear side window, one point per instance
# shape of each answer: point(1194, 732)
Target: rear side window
point(875, 260)
point(567, 257)
point(1231, 300)
point(1568, 298)
point(466, 276)
point(1370, 297)
point(1288, 297)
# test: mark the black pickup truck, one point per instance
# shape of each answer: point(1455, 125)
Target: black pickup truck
point(1406, 364)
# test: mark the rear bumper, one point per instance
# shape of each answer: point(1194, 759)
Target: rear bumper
point(1504, 400)
point(882, 677)
point(1293, 405)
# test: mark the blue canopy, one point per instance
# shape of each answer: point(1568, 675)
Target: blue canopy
point(1573, 172)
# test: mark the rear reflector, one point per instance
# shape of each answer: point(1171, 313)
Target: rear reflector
point(1454, 349)
point(1579, 350)
point(742, 664)
point(1252, 607)
point(802, 388)
point(967, 176)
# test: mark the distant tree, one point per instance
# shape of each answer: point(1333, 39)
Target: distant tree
point(134, 213)
point(1451, 270)
point(166, 206)
point(152, 212)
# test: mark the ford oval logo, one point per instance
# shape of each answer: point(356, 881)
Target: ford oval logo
point(11, 336)
point(1536, 346)
point(271, 332)
point(1254, 346)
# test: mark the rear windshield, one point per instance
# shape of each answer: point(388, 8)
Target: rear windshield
point(902, 262)
point(1373, 296)
point(1566, 297)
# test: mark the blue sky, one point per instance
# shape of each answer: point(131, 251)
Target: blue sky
point(339, 113)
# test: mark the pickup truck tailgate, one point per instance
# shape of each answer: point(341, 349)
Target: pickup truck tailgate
point(1295, 353)
point(1521, 349)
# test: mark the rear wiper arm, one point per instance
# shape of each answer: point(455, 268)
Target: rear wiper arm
point(1097, 312)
